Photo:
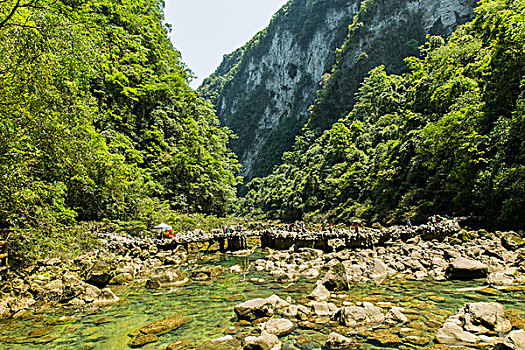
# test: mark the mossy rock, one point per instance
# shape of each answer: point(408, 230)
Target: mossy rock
point(40, 332)
point(383, 338)
point(143, 339)
point(166, 324)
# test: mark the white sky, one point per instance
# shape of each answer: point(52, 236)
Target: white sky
point(205, 30)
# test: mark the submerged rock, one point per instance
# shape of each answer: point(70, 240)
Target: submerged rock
point(264, 342)
point(166, 324)
point(143, 339)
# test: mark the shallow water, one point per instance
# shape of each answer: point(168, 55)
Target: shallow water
point(211, 303)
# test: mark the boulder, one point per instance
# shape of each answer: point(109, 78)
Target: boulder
point(512, 241)
point(356, 316)
point(167, 278)
point(320, 293)
point(105, 297)
point(206, 272)
point(336, 278)
point(395, 316)
point(323, 308)
point(100, 274)
point(515, 340)
point(264, 342)
point(466, 269)
point(338, 341)
point(277, 302)
point(500, 279)
point(482, 318)
point(277, 326)
point(453, 334)
point(122, 278)
point(300, 312)
point(253, 309)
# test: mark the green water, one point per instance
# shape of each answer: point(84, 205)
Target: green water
point(211, 303)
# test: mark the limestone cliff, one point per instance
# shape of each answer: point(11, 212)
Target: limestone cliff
point(263, 90)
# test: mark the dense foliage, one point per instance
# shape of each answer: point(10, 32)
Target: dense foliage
point(97, 120)
point(448, 137)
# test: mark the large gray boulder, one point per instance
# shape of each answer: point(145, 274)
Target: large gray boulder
point(356, 316)
point(466, 269)
point(253, 309)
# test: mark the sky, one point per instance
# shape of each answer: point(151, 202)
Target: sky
point(204, 30)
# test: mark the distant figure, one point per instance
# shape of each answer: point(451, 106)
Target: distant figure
point(303, 228)
point(356, 228)
point(224, 229)
point(435, 220)
point(330, 228)
point(409, 223)
point(141, 235)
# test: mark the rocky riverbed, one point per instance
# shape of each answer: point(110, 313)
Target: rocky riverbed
point(403, 290)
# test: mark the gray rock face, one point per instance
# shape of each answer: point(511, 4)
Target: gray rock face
point(278, 74)
point(466, 269)
point(356, 316)
point(264, 342)
point(253, 309)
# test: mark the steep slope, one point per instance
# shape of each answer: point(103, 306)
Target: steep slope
point(263, 90)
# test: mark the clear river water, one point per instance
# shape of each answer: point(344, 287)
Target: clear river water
point(210, 304)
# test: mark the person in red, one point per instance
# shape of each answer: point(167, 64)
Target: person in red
point(356, 228)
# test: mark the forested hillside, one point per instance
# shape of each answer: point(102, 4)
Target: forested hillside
point(97, 120)
point(448, 137)
point(263, 90)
